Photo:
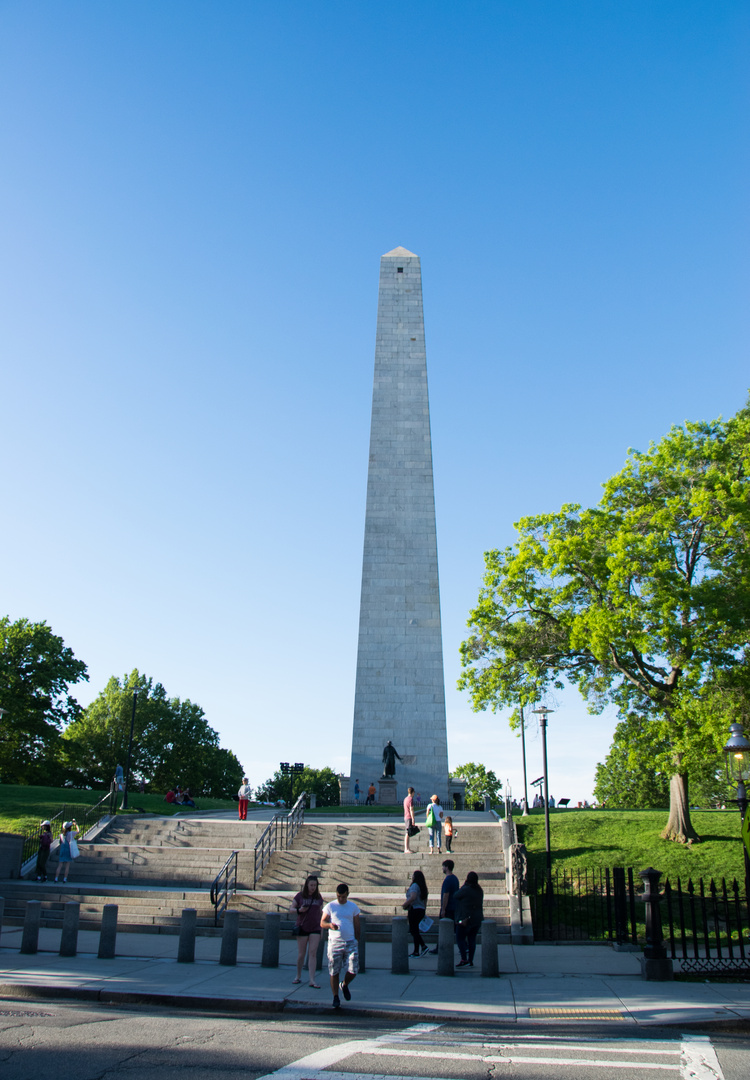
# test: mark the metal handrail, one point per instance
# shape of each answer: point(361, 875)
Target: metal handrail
point(279, 833)
point(91, 816)
point(220, 892)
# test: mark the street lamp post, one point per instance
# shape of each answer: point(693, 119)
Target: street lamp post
point(543, 712)
point(291, 771)
point(523, 751)
point(737, 756)
point(124, 805)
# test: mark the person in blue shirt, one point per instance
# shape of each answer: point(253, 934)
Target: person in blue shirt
point(449, 888)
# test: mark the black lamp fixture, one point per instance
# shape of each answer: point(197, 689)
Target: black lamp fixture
point(737, 758)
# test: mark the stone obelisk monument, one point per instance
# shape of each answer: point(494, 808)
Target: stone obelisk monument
point(400, 689)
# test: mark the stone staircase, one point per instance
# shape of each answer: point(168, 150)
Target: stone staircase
point(152, 869)
point(371, 860)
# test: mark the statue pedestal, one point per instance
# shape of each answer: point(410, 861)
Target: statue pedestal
point(387, 792)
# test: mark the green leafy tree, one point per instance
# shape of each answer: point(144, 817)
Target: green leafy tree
point(172, 741)
point(37, 670)
point(642, 601)
point(480, 783)
point(322, 782)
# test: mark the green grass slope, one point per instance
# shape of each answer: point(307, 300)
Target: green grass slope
point(22, 807)
point(597, 839)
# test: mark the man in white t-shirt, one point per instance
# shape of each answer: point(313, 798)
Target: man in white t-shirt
point(341, 919)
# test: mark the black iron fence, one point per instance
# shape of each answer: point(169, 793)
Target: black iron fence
point(584, 905)
point(85, 820)
point(706, 927)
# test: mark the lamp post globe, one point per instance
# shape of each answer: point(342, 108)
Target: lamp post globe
point(737, 758)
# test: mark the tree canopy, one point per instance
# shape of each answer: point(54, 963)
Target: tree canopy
point(37, 670)
point(172, 742)
point(642, 601)
point(480, 783)
point(322, 782)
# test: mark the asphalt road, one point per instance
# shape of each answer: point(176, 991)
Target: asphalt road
point(70, 1041)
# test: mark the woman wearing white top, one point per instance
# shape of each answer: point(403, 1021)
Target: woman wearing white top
point(434, 822)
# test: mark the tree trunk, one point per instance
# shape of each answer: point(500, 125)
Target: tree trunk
point(679, 827)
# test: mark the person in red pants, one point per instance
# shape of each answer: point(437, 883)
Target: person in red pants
point(244, 796)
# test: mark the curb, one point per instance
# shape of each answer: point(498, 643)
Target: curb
point(42, 992)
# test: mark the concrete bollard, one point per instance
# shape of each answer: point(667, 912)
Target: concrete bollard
point(31, 922)
point(69, 935)
point(229, 938)
point(271, 935)
point(446, 951)
point(490, 967)
point(108, 932)
point(362, 950)
point(322, 951)
point(186, 947)
point(400, 946)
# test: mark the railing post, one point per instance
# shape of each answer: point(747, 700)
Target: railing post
point(2, 911)
point(31, 923)
point(322, 949)
point(186, 947)
point(362, 950)
point(108, 932)
point(400, 946)
point(655, 966)
point(490, 966)
point(446, 947)
point(229, 938)
point(69, 935)
point(271, 935)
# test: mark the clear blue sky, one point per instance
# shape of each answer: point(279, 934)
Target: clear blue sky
point(194, 198)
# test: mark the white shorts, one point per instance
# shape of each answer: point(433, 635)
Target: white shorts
point(343, 955)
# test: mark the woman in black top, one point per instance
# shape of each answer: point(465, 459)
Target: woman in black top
point(468, 901)
point(415, 904)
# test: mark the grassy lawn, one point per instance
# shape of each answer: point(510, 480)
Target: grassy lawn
point(589, 839)
point(23, 807)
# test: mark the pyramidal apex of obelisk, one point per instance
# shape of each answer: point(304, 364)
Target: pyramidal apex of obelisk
point(400, 688)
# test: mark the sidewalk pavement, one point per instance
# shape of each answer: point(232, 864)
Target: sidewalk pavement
point(538, 983)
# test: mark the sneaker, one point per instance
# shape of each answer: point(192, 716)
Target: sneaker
point(434, 952)
point(336, 1001)
point(424, 951)
point(346, 992)
point(413, 954)
point(462, 963)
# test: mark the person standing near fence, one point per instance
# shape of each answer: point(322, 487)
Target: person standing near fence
point(341, 920)
point(244, 795)
point(67, 851)
point(45, 843)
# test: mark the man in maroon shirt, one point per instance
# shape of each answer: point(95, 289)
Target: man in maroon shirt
point(408, 819)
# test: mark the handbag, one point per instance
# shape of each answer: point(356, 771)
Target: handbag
point(430, 819)
point(413, 830)
point(74, 852)
point(425, 924)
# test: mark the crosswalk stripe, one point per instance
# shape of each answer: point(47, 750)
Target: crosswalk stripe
point(524, 1059)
